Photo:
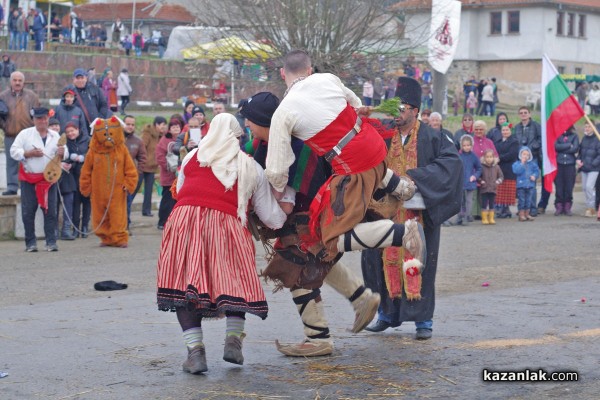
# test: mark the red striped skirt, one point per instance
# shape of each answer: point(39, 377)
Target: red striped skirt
point(506, 192)
point(207, 263)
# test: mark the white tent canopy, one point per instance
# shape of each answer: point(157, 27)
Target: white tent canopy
point(183, 37)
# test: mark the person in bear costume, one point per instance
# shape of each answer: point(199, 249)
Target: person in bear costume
point(107, 175)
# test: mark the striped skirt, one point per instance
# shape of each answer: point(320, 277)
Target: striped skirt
point(506, 193)
point(207, 263)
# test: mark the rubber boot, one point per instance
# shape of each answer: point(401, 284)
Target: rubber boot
point(491, 218)
point(567, 210)
point(485, 217)
point(559, 209)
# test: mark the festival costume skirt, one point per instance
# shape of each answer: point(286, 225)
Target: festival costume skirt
point(207, 263)
point(506, 192)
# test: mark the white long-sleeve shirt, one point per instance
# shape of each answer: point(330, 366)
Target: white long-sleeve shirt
point(309, 107)
point(30, 139)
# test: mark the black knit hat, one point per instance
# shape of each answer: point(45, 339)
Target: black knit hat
point(260, 108)
point(409, 91)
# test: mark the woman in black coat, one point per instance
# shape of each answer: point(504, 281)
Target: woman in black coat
point(508, 152)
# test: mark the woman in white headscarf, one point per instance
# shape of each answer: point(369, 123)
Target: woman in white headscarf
point(206, 266)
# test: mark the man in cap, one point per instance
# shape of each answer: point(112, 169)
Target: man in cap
point(430, 158)
point(319, 110)
point(35, 147)
point(257, 111)
point(19, 102)
point(88, 97)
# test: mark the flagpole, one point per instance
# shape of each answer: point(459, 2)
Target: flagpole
point(592, 125)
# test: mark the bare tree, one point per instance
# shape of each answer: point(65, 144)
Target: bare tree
point(338, 34)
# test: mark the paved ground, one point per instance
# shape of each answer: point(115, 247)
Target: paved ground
point(61, 339)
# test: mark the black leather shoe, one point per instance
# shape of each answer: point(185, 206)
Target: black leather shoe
point(9, 193)
point(378, 326)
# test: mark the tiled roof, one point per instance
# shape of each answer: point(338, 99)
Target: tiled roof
point(418, 4)
point(143, 11)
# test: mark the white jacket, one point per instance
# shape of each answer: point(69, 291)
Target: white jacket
point(124, 88)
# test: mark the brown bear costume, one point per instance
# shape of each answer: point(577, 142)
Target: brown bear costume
point(108, 174)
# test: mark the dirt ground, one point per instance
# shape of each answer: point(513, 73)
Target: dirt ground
point(61, 339)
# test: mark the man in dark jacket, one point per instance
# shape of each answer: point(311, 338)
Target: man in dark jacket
point(436, 169)
point(137, 151)
point(529, 133)
point(88, 97)
point(7, 67)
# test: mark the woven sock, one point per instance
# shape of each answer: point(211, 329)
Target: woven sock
point(193, 337)
point(234, 326)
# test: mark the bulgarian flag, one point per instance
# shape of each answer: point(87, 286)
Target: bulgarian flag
point(560, 110)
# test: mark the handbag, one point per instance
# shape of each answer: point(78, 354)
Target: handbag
point(172, 159)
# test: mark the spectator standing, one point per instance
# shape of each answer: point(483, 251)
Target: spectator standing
point(127, 45)
point(566, 147)
point(529, 133)
point(137, 151)
point(67, 112)
point(88, 97)
point(166, 176)
point(23, 29)
point(495, 86)
point(487, 98)
point(91, 75)
point(425, 114)
point(116, 29)
point(78, 143)
point(77, 29)
point(368, 92)
point(34, 147)
point(39, 29)
point(19, 101)
point(471, 173)
point(471, 103)
point(495, 134)
point(594, 99)
point(187, 110)
point(162, 45)
point(582, 91)
point(151, 134)
point(491, 177)
point(67, 187)
point(109, 88)
point(588, 162)
point(124, 89)
point(377, 91)
point(527, 172)
point(467, 129)
point(468, 87)
point(7, 67)
point(508, 153)
point(218, 108)
point(13, 30)
point(138, 43)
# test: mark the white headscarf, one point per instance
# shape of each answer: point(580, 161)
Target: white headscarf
point(220, 150)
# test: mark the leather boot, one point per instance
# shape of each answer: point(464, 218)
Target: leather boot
point(485, 217)
point(567, 210)
point(491, 218)
point(529, 217)
point(522, 216)
point(559, 209)
point(232, 352)
point(196, 361)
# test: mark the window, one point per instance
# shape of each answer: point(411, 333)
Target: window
point(578, 71)
point(571, 24)
point(581, 26)
point(495, 23)
point(513, 21)
point(561, 70)
point(560, 23)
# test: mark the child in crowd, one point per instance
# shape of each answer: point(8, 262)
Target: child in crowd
point(491, 177)
point(472, 172)
point(78, 143)
point(472, 103)
point(566, 147)
point(66, 187)
point(588, 162)
point(527, 172)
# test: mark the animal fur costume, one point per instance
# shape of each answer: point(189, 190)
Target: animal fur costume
point(108, 174)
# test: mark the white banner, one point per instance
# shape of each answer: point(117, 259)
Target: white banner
point(443, 39)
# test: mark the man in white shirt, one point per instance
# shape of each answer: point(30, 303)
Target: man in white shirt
point(35, 147)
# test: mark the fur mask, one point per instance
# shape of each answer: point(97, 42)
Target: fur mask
point(107, 134)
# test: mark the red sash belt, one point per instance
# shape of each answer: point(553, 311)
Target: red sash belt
point(42, 187)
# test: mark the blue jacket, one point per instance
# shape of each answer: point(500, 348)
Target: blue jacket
point(471, 166)
point(525, 171)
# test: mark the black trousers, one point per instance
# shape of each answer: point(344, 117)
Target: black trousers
point(564, 182)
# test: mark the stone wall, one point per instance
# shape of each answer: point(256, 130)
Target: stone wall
point(8, 212)
point(152, 79)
